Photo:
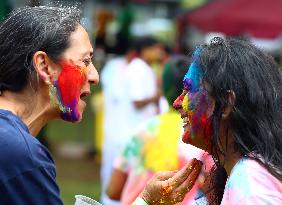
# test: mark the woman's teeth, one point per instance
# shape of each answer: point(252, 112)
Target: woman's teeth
point(186, 121)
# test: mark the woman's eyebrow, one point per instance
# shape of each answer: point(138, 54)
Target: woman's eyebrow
point(87, 54)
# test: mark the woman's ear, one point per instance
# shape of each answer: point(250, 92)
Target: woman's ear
point(44, 66)
point(231, 98)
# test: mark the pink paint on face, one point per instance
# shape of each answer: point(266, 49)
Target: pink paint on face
point(200, 115)
point(196, 108)
point(197, 118)
point(69, 84)
point(177, 104)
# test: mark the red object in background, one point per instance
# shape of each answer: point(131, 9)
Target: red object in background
point(258, 18)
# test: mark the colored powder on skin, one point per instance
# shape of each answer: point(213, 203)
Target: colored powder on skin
point(68, 86)
point(185, 103)
point(178, 100)
point(196, 102)
point(192, 79)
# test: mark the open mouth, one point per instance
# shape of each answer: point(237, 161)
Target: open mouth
point(84, 95)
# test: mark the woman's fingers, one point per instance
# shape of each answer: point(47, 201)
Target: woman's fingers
point(182, 175)
point(164, 175)
point(187, 185)
point(178, 193)
point(170, 187)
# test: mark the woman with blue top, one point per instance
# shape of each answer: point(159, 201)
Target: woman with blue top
point(45, 71)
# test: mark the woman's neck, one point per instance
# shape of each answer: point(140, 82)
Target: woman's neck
point(230, 162)
point(32, 108)
point(230, 156)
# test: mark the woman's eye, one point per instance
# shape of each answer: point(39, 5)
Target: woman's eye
point(87, 62)
point(187, 88)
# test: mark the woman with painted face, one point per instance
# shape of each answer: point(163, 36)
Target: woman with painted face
point(45, 71)
point(231, 107)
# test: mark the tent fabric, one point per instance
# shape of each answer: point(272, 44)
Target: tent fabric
point(258, 18)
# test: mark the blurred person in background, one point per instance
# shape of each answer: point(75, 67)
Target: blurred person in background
point(131, 97)
point(45, 71)
point(157, 145)
point(163, 54)
point(231, 106)
point(143, 89)
point(102, 18)
point(116, 123)
point(125, 18)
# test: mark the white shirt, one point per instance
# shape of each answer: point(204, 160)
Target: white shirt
point(141, 84)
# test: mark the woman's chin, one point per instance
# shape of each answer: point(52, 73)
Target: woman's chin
point(75, 115)
point(81, 104)
point(186, 138)
point(190, 138)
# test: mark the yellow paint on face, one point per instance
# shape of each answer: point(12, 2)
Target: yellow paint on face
point(84, 71)
point(185, 103)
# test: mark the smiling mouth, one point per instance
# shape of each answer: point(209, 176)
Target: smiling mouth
point(186, 121)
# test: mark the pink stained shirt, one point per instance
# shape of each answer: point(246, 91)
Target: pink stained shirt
point(250, 183)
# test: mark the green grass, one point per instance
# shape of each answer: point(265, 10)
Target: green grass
point(77, 177)
point(61, 131)
point(71, 188)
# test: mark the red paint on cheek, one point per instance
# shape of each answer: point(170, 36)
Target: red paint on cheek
point(204, 120)
point(206, 124)
point(186, 137)
point(70, 82)
point(178, 102)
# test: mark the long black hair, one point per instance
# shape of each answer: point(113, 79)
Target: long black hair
point(28, 30)
point(256, 118)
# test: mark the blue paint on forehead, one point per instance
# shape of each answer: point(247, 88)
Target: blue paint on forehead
point(192, 78)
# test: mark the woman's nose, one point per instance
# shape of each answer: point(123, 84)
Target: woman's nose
point(93, 76)
point(177, 104)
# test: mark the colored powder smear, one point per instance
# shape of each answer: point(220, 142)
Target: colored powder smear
point(197, 103)
point(193, 78)
point(65, 92)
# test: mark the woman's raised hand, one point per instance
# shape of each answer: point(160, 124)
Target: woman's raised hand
point(170, 187)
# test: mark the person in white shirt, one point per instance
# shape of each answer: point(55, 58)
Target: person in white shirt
point(130, 97)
